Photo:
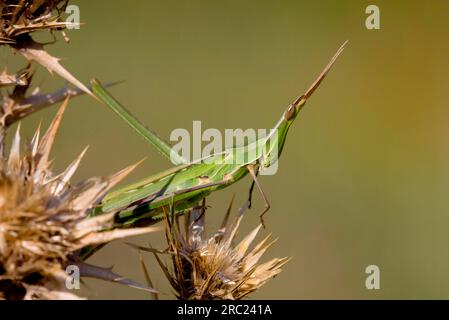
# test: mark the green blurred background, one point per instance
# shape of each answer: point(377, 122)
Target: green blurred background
point(364, 176)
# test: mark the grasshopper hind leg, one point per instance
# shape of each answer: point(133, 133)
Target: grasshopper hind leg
point(250, 196)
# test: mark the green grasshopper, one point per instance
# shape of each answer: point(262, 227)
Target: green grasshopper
point(183, 186)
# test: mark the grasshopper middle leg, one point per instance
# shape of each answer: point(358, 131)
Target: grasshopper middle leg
point(264, 196)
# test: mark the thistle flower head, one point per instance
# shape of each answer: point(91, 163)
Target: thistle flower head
point(43, 218)
point(213, 267)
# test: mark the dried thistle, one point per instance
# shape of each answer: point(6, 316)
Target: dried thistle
point(43, 220)
point(18, 103)
point(20, 18)
point(205, 268)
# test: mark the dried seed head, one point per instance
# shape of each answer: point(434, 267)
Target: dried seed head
point(213, 267)
point(43, 218)
point(19, 18)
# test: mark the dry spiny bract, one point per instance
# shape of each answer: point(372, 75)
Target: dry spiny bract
point(19, 79)
point(44, 220)
point(205, 268)
point(20, 18)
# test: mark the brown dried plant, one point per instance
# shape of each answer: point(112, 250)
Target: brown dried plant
point(20, 18)
point(44, 220)
point(205, 268)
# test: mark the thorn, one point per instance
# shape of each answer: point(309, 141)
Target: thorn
point(302, 99)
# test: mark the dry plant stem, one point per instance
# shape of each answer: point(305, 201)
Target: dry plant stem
point(17, 104)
